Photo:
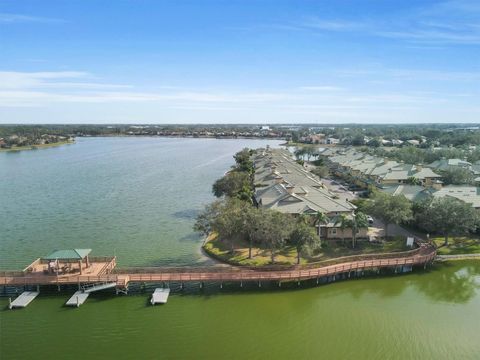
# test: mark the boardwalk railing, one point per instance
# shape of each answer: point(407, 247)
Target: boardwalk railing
point(110, 263)
point(424, 255)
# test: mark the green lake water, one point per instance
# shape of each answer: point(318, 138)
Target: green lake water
point(137, 198)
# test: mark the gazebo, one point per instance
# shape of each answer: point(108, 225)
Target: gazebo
point(66, 258)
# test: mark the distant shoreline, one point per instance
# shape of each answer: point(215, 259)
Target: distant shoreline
point(36, 147)
point(184, 137)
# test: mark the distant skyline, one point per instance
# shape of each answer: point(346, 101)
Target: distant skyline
point(265, 62)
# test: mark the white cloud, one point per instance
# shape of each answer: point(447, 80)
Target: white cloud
point(321, 88)
point(6, 18)
point(22, 80)
point(42, 88)
point(450, 22)
point(78, 93)
point(333, 25)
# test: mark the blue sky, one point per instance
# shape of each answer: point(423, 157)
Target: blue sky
point(230, 61)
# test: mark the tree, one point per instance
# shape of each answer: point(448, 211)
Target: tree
point(304, 239)
point(358, 221)
point(374, 143)
point(389, 209)
point(321, 171)
point(233, 184)
point(446, 216)
point(358, 140)
point(225, 217)
point(343, 223)
point(300, 153)
point(319, 219)
point(229, 223)
point(206, 218)
point(310, 151)
point(243, 161)
point(457, 177)
point(252, 220)
point(413, 181)
point(275, 228)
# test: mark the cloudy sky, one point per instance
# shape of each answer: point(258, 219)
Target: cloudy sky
point(239, 61)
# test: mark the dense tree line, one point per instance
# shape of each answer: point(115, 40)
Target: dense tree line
point(444, 216)
point(389, 209)
point(238, 182)
point(193, 130)
point(415, 155)
point(235, 218)
point(456, 135)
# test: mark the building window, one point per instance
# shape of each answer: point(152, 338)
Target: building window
point(334, 231)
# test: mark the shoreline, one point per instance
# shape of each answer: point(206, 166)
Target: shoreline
point(457, 257)
point(36, 147)
point(186, 137)
point(228, 260)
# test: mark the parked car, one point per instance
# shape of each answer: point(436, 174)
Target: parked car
point(363, 194)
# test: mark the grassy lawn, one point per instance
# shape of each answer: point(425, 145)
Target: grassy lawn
point(222, 249)
point(333, 249)
point(458, 245)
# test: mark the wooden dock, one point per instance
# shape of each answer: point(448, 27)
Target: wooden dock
point(120, 278)
point(160, 296)
point(77, 299)
point(23, 299)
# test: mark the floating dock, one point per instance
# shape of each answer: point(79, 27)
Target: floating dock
point(77, 299)
point(23, 299)
point(160, 296)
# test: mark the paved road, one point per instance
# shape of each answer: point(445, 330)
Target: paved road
point(377, 230)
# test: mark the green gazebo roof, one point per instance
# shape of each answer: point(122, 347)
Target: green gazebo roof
point(72, 254)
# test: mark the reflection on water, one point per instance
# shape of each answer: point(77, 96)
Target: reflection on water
point(450, 282)
point(458, 286)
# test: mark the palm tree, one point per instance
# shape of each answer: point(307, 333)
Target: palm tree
point(320, 218)
point(358, 221)
point(302, 219)
point(252, 218)
point(343, 223)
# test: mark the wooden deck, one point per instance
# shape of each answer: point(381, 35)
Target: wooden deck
point(421, 256)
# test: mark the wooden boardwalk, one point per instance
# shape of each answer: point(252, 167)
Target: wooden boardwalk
point(421, 256)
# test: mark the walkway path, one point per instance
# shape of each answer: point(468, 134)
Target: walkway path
point(421, 256)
